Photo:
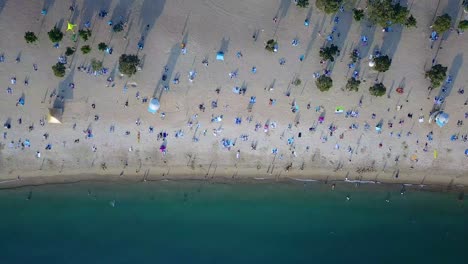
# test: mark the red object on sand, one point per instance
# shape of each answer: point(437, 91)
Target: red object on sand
point(400, 90)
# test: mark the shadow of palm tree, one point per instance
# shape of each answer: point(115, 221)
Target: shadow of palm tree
point(170, 65)
point(454, 69)
point(65, 92)
point(150, 12)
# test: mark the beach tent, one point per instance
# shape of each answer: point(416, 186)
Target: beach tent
point(55, 116)
point(70, 26)
point(339, 109)
point(220, 56)
point(153, 106)
point(441, 118)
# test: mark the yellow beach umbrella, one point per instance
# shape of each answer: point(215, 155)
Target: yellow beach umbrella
point(70, 26)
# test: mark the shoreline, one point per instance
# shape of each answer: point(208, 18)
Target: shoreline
point(275, 131)
point(417, 179)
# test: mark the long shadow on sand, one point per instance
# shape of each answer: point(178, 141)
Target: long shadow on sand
point(453, 9)
point(65, 92)
point(317, 28)
point(454, 69)
point(91, 7)
point(392, 39)
point(150, 12)
point(2, 5)
point(121, 11)
point(283, 8)
point(170, 64)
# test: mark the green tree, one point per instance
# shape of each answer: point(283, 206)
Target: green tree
point(270, 45)
point(118, 27)
point(437, 75)
point(96, 65)
point(383, 12)
point(86, 49)
point(411, 22)
point(358, 14)
point(442, 23)
point(84, 34)
point(382, 63)
point(463, 25)
point(355, 56)
point(353, 84)
point(324, 83)
point(328, 6)
point(59, 69)
point(377, 89)
point(329, 52)
point(303, 3)
point(296, 82)
point(102, 46)
point(128, 64)
point(55, 35)
point(30, 37)
point(70, 51)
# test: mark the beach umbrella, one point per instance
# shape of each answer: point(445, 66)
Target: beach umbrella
point(466, 152)
point(54, 116)
point(153, 106)
point(220, 56)
point(371, 64)
point(70, 26)
point(442, 119)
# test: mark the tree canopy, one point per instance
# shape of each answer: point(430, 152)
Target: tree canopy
point(442, 23)
point(329, 52)
point(437, 75)
point(411, 21)
point(30, 37)
point(463, 25)
point(84, 34)
point(69, 51)
point(324, 83)
point(353, 84)
point(328, 6)
point(382, 63)
point(55, 35)
point(384, 12)
point(102, 46)
point(59, 69)
point(128, 64)
point(377, 89)
point(270, 45)
point(86, 49)
point(358, 14)
point(96, 65)
point(303, 3)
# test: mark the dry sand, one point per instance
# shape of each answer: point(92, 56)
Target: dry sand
point(208, 26)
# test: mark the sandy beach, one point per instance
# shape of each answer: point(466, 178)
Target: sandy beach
point(269, 140)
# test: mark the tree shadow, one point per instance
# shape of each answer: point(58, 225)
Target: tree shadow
point(121, 11)
point(452, 8)
point(318, 27)
point(342, 28)
point(170, 65)
point(65, 92)
point(454, 69)
point(149, 13)
point(48, 4)
point(367, 30)
point(391, 41)
point(90, 7)
point(283, 8)
point(2, 5)
point(224, 45)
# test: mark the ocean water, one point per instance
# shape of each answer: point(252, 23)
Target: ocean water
point(202, 222)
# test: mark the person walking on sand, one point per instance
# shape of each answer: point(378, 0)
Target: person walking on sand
point(238, 154)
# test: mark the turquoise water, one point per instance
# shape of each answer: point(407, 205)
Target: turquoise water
point(197, 222)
